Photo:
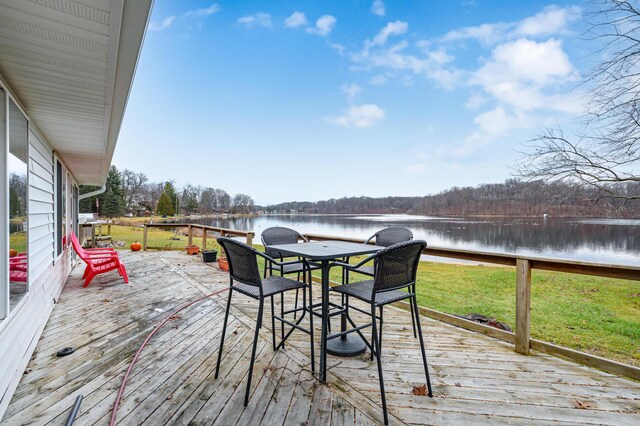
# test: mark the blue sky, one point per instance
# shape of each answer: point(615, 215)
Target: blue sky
point(310, 100)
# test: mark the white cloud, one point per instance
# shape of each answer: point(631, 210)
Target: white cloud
point(434, 64)
point(261, 19)
point(475, 101)
point(159, 26)
point(204, 12)
point(190, 14)
point(519, 72)
point(378, 80)
point(359, 116)
point(338, 48)
point(526, 79)
point(377, 8)
point(297, 19)
point(351, 91)
point(391, 29)
point(492, 124)
point(485, 33)
point(324, 25)
point(552, 20)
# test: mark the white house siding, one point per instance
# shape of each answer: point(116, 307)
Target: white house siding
point(20, 332)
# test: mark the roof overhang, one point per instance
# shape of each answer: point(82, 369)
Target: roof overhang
point(70, 64)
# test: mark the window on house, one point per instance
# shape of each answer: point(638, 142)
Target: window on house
point(18, 204)
point(59, 203)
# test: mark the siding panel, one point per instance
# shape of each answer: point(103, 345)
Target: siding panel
point(19, 333)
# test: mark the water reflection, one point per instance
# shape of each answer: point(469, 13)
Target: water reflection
point(604, 241)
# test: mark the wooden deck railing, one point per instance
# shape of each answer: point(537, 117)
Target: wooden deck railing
point(190, 227)
point(521, 338)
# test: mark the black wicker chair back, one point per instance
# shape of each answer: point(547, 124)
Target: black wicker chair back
point(397, 265)
point(243, 262)
point(392, 235)
point(278, 235)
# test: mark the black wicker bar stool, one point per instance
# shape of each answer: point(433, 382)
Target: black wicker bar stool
point(394, 280)
point(244, 277)
point(281, 235)
point(385, 237)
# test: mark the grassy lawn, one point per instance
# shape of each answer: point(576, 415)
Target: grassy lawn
point(596, 315)
point(18, 241)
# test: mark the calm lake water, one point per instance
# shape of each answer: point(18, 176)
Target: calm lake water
point(614, 241)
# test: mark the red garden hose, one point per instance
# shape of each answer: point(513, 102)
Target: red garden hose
point(114, 411)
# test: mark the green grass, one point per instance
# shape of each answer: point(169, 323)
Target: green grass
point(596, 315)
point(18, 241)
point(158, 237)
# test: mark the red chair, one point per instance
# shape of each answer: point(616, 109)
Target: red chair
point(16, 276)
point(18, 269)
point(98, 262)
point(91, 251)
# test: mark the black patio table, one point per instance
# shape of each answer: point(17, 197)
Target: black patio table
point(325, 252)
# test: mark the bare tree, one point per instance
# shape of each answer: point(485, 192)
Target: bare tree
point(222, 200)
point(189, 198)
point(606, 154)
point(151, 193)
point(132, 184)
point(242, 204)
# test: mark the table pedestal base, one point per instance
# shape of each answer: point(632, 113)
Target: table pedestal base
point(349, 345)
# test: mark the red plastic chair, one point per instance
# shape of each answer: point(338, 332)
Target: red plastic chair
point(98, 262)
point(18, 269)
point(16, 276)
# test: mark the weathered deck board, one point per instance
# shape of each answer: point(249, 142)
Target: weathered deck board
point(476, 379)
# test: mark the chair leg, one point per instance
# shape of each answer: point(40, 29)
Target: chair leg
point(123, 271)
point(224, 330)
point(413, 317)
point(424, 356)
point(304, 306)
point(282, 315)
point(380, 332)
point(413, 321)
point(373, 334)
point(253, 353)
point(273, 324)
point(90, 275)
point(295, 312)
point(376, 349)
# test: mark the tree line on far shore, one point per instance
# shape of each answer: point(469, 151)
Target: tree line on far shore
point(513, 198)
point(131, 193)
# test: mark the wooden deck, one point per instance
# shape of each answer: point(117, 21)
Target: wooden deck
point(476, 379)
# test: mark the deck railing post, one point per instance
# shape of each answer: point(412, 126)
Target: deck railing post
point(523, 306)
point(250, 238)
point(144, 237)
point(204, 238)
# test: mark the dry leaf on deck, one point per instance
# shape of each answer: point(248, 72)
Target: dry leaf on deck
point(419, 390)
point(580, 405)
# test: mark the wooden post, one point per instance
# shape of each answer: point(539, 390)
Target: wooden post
point(204, 239)
point(144, 237)
point(523, 306)
point(190, 235)
point(250, 238)
point(93, 235)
